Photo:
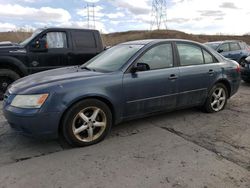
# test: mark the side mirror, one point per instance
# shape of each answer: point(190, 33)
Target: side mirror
point(39, 45)
point(140, 67)
point(220, 50)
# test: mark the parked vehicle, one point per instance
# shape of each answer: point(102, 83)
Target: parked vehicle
point(245, 70)
point(127, 81)
point(233, 49)
point(47, 48)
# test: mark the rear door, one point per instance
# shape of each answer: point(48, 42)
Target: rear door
point(84, 46)
point(196, 76)
point(155, 89)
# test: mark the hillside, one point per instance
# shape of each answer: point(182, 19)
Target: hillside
point(115, 38)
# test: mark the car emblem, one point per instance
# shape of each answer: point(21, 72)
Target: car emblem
point(35, 63)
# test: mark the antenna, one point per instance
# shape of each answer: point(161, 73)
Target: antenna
point(159, 14)
point(90, 9)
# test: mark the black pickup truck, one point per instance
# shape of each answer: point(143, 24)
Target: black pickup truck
point(46, 49)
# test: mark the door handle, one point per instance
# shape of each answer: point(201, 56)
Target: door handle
point(211, 72)
point(172, 77)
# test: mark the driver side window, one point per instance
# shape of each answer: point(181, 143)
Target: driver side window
point(158, 57)
point(56, 40)
point(224, 47)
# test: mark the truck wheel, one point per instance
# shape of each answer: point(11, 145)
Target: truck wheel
point(86, 123)
point(217, 99)
point(6, 78)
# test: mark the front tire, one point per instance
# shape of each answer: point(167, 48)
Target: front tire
point(6, 78)
point(86, 123)
point(217, 98)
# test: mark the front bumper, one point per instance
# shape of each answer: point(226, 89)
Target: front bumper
point(32, 122)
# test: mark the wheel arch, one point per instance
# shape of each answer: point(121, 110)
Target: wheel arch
point(100, 98)
point(227, 84)
point(14, 65)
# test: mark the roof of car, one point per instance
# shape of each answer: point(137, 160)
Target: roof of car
point(150, 41)
point(225, 41)
point(66, 28)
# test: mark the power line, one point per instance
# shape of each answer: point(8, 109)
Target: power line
point(90, 10)
point(159, 15)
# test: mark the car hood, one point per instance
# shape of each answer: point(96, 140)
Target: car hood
point(7, 43)
point(51, 77)
point(12, 48)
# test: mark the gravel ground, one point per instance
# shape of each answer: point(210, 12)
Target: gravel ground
point(226, 135)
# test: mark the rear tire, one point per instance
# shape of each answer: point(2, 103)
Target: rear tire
point(6, 78)
point(86, 123)
point(217, 98)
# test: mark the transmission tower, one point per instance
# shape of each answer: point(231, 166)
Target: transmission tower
point(90, 10)
point(159, 15)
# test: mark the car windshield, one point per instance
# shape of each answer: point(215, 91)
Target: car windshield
point(26, 41)
point(213, 45)
point(112, 59)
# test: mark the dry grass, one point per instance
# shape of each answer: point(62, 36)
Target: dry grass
point(115, 38)
point(14, 36)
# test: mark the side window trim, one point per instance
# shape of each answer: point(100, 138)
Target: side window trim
point(149, 48)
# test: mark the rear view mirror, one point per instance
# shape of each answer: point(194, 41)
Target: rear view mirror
point(140, 67)
point(39, 45)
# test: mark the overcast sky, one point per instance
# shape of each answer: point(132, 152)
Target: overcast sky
point(192, 16)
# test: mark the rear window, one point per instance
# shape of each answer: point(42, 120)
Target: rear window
point(83, 39)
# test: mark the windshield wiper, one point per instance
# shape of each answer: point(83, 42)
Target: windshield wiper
point(86, 68)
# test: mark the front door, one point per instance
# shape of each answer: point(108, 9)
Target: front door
point(56, 56)
point(154, 89)
point(235, 51)
point(224, 50)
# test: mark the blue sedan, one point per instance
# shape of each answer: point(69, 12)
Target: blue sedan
point(130, 80)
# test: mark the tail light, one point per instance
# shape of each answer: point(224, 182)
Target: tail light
point(238, 69)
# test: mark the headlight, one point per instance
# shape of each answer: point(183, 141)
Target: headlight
point(29, 101)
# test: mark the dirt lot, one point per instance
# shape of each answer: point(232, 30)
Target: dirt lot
point(186, 148)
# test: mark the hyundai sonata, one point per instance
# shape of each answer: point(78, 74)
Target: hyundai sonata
point(127, 81)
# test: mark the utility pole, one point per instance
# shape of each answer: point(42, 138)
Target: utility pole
point(159, 15)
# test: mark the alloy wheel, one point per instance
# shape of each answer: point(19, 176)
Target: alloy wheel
point(89, 124)
point(218, 99)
